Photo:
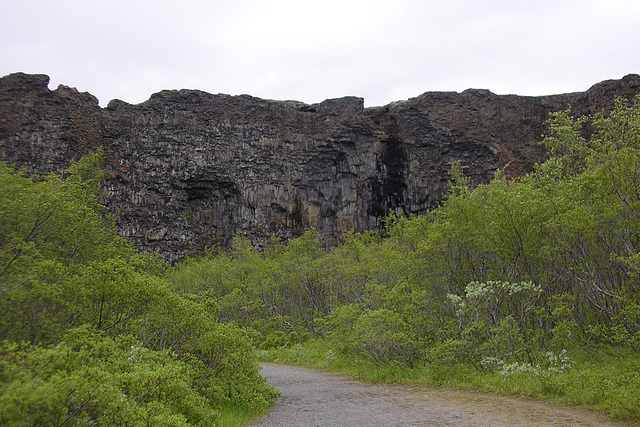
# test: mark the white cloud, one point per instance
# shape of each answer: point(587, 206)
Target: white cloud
point(309, 51)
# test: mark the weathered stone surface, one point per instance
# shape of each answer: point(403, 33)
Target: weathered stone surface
point(188, 170)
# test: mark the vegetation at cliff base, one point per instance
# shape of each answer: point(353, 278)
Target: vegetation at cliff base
point(90, 331)
point(524, 286)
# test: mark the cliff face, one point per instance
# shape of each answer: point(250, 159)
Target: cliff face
point(188, 170)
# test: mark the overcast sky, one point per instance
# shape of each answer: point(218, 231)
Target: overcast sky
point(309, 51)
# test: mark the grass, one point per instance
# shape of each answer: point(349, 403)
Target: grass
point(231, 416)
point(608, 382)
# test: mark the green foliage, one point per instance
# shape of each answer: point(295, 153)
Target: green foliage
point(505, 286)
point(92, 379)
point(277, 292)
point(380, 335)
point(227, 371)
point(53, 233)
point(109, 342)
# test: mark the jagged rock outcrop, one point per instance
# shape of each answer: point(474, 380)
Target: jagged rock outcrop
point(188, 170)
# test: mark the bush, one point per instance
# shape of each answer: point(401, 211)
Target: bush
point(78, 295)
point(93, 379)
point(380, 335)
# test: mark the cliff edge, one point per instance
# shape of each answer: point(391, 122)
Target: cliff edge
point(188, 170)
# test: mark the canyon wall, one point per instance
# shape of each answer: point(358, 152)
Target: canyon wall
point(188, 170)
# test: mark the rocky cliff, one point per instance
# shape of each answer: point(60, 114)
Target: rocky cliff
point(189, 170)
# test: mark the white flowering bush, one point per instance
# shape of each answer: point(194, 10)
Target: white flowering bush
point(502, 317)
point(554, 363)
point(493, 301)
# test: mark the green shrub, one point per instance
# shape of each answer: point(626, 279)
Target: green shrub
point(380, 335)
point(93, 379)
point(78, 294)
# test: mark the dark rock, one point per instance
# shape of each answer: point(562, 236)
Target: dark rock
point(188, 170)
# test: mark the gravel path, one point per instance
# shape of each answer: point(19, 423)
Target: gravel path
point(316, 399)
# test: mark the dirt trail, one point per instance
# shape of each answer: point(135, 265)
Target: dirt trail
point(316, 399)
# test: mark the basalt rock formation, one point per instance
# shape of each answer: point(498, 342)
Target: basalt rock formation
point(187, 170)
